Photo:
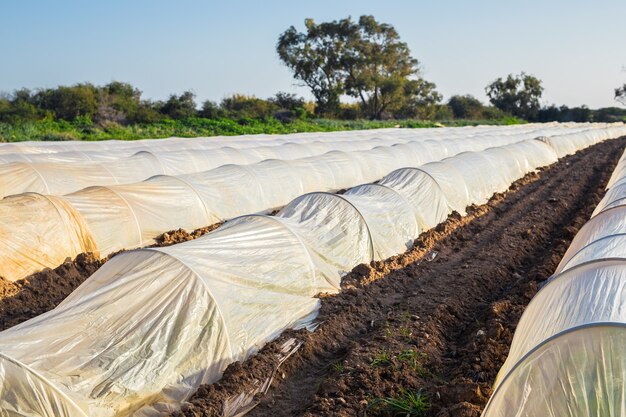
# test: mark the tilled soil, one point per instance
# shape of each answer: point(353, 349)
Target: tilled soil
point(436, 322)
point(42, 291)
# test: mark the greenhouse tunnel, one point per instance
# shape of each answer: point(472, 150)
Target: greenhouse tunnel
point(122, 329)
point(567, 354)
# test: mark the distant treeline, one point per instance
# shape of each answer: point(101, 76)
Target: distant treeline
point(121, 104)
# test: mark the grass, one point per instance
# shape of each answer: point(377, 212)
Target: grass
point(408, 355)
point(406, 332)
point(406, 404)
point(381, 358)
point(194, 127)
point(337, 367)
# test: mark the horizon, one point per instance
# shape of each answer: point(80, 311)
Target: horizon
point(215, 52)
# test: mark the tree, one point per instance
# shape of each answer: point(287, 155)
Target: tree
point(420, 100)
point(210, 110)
point(518, 95)
point(68, 103)
point(550, 113)
point(180, 107)
point(287, 101)
point(147, 112)
point(315, 57)
point(289, 106)
point(620, 94)
point(248, 107)
point(364, 59)
point(19, 106)
point(117, 102)
point(466, 107)
point(379, 67)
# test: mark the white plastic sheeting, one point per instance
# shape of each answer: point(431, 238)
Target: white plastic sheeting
point(132, 215)
point(570, 142)
point(163, 309)
point(619, 174)
point(84, 164)
point(152, 324)
point(59, 178)
point(93, 150)
point(567, 355)
point(22, 250)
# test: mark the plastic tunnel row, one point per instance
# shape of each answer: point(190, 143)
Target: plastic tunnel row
point(153, 324)
point(567, 354)
point(81, 151)
point(55, 176)
point(58, 178)
point(39, 231)
point(37, 151)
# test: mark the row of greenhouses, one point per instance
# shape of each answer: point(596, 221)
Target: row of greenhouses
point(567, 355)
point(52, 174)
point(151, 325)
point(81, 151)
point(38, 151)
point(39, 229)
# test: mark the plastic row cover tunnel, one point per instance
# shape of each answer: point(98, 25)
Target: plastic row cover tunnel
point(34, 233)
point(115, 217)
point(61, 177)
point(570, 142)
point(152, 324)
point(46, 151)
point(567, 356)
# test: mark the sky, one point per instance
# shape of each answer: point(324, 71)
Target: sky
point(218, 48)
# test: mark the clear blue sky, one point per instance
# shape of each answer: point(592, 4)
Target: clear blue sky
point(216, 48)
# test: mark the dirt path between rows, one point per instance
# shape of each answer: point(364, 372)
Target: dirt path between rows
point(430, 328)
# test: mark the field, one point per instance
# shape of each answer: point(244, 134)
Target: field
point(440, 327)
point(365, 273)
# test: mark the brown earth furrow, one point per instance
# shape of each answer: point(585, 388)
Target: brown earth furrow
point(440, 327)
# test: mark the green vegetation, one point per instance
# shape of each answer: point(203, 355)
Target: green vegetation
point(337, 367)
point(517, 95)
point(381, 358)
point(117, 111)
point(365, 60)
point(82, 129)
point(406, 404)
point(410, 356)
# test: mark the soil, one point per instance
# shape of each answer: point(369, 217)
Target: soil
point(42, 291)
point(435, 322)
point(181, 235)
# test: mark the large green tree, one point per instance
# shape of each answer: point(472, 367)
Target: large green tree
point(365, 60)
point(316, 58)
point(516, 94)
point(419, 101)
point(379, 67)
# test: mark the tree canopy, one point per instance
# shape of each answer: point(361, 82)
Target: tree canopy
point(364, 59)
point(315, 57)
point(465, 107)
point(517, 94)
